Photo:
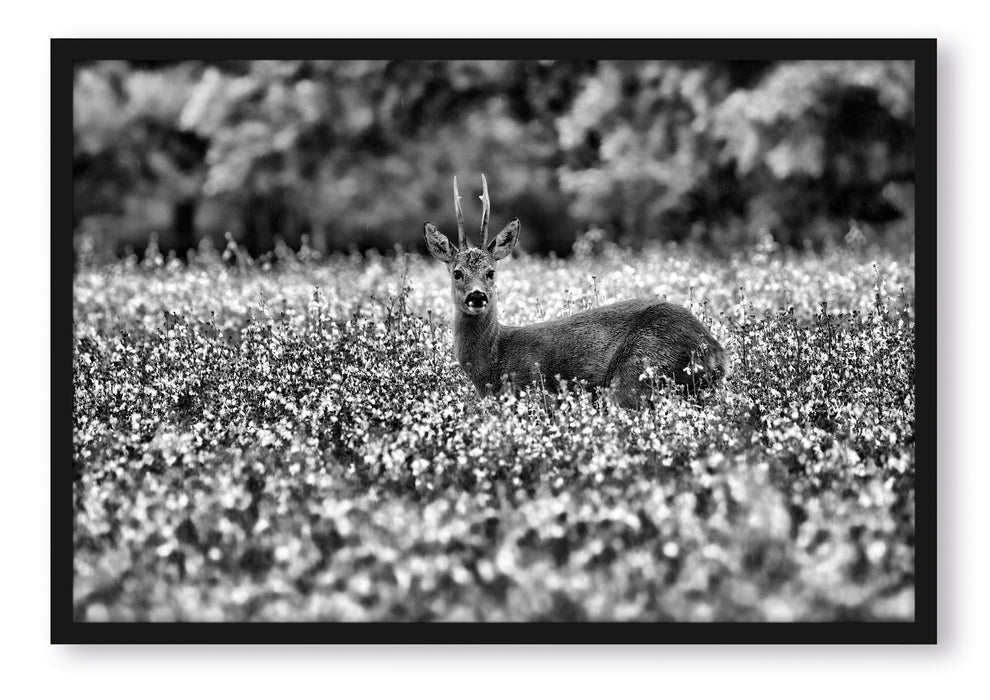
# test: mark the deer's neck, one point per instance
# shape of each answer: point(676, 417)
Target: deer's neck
point(476, 347)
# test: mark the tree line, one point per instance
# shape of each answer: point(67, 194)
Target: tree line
point(349, 154)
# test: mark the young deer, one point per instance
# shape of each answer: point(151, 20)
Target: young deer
point(611, 346)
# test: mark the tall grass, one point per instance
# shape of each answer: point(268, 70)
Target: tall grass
point(291, 438)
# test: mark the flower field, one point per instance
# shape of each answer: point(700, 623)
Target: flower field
point(291, 439)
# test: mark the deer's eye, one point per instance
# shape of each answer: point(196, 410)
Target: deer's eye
point(491, 274)
point(458, 274)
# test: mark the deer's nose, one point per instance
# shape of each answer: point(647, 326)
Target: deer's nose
point(476, 300)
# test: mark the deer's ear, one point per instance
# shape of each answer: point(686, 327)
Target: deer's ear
point(437, 243)
point(505, 241)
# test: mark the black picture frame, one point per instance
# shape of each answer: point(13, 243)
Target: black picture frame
point(66, 630)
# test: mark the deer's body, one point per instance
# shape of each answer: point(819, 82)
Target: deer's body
point(612, 346)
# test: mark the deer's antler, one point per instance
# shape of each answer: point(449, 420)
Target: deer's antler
point(486, 210)
point(461, 236)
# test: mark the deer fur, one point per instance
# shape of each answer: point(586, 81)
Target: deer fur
point(612, 346)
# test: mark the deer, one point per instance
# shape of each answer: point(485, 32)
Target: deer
point(624, 346)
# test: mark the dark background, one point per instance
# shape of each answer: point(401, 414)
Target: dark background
point(345, 154)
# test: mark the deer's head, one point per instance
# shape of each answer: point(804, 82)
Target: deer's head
point(472, 270)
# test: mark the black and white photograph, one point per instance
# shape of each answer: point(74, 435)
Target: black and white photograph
point(438, 339)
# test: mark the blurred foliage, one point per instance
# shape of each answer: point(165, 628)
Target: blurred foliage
point(359, 153)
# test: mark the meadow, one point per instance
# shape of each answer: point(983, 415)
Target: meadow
point(290, 438)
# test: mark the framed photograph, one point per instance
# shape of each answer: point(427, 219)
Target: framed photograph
point(493, 341)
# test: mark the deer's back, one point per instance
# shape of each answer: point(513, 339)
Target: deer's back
point(593, 344)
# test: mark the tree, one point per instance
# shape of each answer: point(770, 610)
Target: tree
point(133, 164)
point(358, 153)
